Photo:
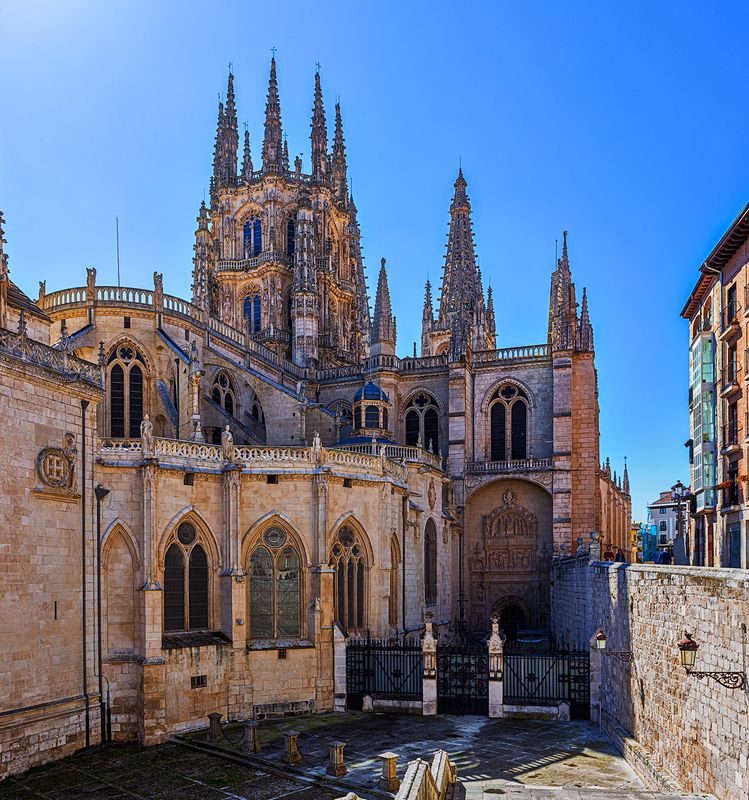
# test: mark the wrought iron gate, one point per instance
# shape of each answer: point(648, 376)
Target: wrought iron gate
point(389, 668)
point(462, 679)
point(542, 678)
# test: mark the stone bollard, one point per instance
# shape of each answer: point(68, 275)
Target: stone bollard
point(250, 743)
point(388, 781)
point(215, 734)
point(291, 754)
point(336, 766)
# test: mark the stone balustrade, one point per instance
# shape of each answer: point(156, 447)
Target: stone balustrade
point(251, 457)
point(396, 452)
point(41, 355)
point(519, 465)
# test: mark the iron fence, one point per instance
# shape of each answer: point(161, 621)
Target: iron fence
point(390, 668)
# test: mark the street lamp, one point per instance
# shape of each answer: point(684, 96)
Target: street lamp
point(621, 655)
point(688, 652)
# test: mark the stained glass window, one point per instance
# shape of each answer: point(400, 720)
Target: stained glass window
point(275, 588)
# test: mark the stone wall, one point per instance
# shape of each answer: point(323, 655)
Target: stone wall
point(696, 731)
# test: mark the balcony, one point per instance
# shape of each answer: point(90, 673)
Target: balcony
point(520, 465)
point(730, 379)
point(240, 264)
point(729, 443)
point(730, 322)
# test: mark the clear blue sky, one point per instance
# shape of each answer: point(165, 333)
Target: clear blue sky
point(625, 123)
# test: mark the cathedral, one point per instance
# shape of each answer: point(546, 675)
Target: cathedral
point(194, 490)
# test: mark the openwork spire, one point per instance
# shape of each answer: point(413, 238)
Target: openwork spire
point(584, 328)
point(201, 270)
point(319, 135)
point(427, 316)
point(246, 159)
point(625, 479)
point(273, 136)
point(383, 324)
point(563, 323)
point(340, 178)
point(227, 142)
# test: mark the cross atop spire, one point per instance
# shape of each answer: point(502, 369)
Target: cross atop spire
point(273, 135)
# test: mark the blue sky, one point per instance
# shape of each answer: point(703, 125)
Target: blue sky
point(624, 123)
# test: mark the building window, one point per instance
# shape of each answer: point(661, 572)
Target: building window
point(222, 392)
point(422, 423)
point(372, 417)
point(661, 510)
point(347, 558)
point(252, 313)
point(393, 598)
point(508, 424)
point(126, 369)
point(290, 237)
point(430, 563)
point(186, 582)
point(252, 237)
point(275, 587)
point(663, 525)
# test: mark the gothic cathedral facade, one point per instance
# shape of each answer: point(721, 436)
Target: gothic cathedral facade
point(255, 475)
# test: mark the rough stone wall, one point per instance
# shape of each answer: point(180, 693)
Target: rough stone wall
point(41, 700)
point(695, 731)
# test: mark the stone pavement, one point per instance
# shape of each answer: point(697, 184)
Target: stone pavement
point(494, 758)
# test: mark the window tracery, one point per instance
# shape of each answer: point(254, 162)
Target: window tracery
point(275, 587)
point(222, 392)
point(186, 582)
point(252, 237)
point(422, 422)
point(508, 418)
point(126, 370)
point(348, 559)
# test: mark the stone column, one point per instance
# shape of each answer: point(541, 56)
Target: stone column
point(324, 636)
point(388, 781)
point(429, 651)
point(496, 670)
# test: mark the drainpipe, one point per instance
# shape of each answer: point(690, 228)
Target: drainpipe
point(84, 406)
point(100, 493)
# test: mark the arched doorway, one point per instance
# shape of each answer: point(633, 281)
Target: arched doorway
point(512, 618)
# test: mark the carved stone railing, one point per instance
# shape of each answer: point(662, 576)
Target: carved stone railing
point(528, 353)
point(524, 465)
point(126, 295)
point(267, 256)
point(425, 362)
point(396, 452)
point(41, 355)
point(227, 331)
point(129, 450)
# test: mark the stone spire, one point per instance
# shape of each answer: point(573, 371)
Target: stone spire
point(4, 276)
point(427, 319)
point(201, 270)
point(383, 323)
point(584, 328)
point(340, 178)
point(462, 308)
point(491, 322)
point(227, 142)
point(625, 480)
point(273, 136)
point(246, 159)
point(319, 136)
point(285, 154)
point(362, 319)
point(562, 305)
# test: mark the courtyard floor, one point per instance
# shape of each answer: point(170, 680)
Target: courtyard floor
point(495, 758)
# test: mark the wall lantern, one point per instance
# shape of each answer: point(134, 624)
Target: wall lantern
point(622, 655)
point(688, 652)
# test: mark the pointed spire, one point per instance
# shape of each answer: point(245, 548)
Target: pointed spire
point(319, 135)
point(490, 310)
point(584, 328)
point(427, 316)
point(340, 178)
point(227, 143)
point(625, 480)
point(285, 154)
point(563, 326)
point(200, 271)
point(383, 324)
point(246, 159)
point(273, 136)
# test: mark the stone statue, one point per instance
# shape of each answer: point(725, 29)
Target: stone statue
point(42, 289)
point(70, 453)
point(91, 283)
point(146, 436)
point(316, 448)
point(158, 289)
point(227, 444)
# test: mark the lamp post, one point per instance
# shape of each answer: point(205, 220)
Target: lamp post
point(688, 652)
point(680, 492)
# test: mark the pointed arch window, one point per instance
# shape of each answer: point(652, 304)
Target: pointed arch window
point(430, 563)
point(393, 598)
point(252, 237)
point(186, 582)
point(252, 313)
point(290, 237)
point(422, 422)
point(126, 372)
point(275, 587)
point(508, 416)
point(347, 558)
point(222, 392)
